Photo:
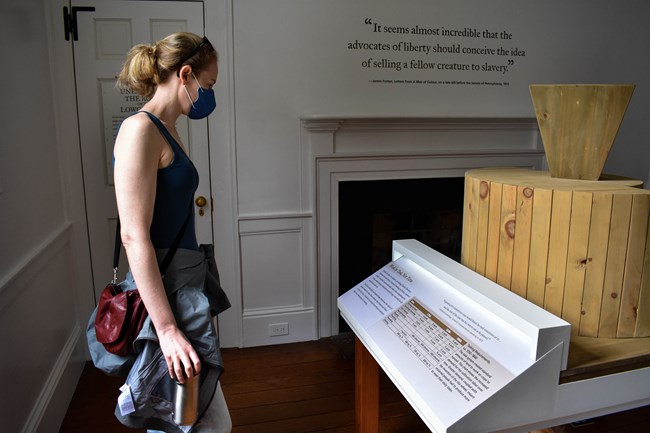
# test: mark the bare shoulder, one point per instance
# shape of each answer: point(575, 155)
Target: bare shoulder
point(138, 134)
point(138, 124)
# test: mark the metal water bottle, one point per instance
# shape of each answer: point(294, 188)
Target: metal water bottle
point(186, 401)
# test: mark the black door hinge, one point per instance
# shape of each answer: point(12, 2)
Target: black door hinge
point(70, 20)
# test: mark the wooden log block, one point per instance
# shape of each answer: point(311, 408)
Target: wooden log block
point(524, 219)
point(643, 319)
point(596, 261)
point(578, 124)
point(616, 254)
point(507, 234)
point(494, 215)
point(580, 249)
point(470, 224)
point(636, 251)
point(540, 233)
point(481, 236)
point(558, 245)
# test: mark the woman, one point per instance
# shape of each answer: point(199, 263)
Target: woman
point(155, 184)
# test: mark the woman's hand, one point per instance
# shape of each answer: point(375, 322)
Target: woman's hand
point(182, 359)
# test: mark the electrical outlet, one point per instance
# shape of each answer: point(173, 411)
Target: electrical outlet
point(276, 329)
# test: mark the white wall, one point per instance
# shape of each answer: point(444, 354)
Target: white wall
point(292, 58)
point(40, 233)
point(281, 59)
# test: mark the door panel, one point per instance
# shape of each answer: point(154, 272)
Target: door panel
point(105, 36)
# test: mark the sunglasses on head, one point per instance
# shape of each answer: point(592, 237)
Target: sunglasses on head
point(203, 43)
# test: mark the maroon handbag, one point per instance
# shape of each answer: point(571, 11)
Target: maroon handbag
point(120, 316)
point(121, 313)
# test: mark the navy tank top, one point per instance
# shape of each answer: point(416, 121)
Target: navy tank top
point(175, 188)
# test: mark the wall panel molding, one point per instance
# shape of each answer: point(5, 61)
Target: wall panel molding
point(278, 285)
point(48, 410)
point(17, 278)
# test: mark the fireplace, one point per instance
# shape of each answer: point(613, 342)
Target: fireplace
point(371, 180)
point(374, 213)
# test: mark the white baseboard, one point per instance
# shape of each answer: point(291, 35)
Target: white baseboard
point(300, 326)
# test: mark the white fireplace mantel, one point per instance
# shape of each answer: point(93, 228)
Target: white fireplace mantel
point(347, 148)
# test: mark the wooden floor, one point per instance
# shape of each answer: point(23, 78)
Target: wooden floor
point(293, 388)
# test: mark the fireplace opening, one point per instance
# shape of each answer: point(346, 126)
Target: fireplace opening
point(374, 213)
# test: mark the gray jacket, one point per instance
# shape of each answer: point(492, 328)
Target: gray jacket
point(195, 295)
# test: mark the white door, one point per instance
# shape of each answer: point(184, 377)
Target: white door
point(104, 37)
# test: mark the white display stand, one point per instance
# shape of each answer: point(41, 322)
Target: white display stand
point(471, 356)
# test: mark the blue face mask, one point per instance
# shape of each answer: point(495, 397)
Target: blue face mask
point(204, 104)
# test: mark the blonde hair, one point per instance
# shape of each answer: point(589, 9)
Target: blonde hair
point(146, 66)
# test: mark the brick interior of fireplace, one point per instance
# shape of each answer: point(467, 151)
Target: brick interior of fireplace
point(374, 213)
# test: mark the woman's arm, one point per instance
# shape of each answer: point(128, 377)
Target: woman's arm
point(138, 150)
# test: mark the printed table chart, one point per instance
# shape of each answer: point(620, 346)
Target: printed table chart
point(431, 340)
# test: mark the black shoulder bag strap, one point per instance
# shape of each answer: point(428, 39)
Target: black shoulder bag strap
point(168, 257)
